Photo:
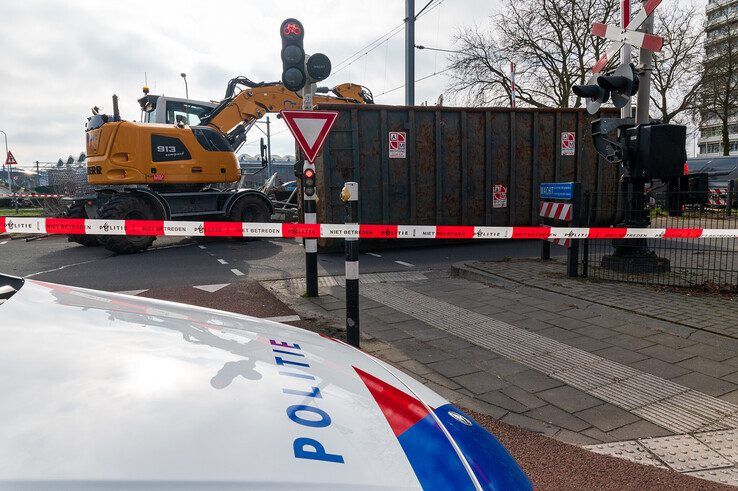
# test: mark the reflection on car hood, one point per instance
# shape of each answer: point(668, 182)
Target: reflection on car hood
point(101, 387)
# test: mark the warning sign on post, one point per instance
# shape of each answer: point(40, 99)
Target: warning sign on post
point(397, 145)
point(499, 196)
point(568, 143)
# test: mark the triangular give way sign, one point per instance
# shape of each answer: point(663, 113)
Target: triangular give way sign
point(310, 129)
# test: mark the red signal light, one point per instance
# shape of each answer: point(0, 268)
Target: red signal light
point(309, 173)
point(292, 28)
point(686, 169)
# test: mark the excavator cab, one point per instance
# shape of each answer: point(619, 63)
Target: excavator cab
point(172, 110)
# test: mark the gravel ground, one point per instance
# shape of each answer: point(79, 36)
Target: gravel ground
point(549, 463)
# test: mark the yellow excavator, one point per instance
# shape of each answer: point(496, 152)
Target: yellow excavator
point(164, 167)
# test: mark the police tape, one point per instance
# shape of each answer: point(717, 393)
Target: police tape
point(79, 226)
point(31, 195)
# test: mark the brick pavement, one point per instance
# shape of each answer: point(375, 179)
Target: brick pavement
point(499, 380)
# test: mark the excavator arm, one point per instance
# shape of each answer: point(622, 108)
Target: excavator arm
point(236, 111)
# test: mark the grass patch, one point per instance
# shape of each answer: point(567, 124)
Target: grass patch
point(22, 212)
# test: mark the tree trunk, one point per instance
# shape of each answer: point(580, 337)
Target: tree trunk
point(726, 138)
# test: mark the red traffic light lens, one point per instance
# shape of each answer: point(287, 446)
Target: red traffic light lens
point(309, 173)
point(292, 28)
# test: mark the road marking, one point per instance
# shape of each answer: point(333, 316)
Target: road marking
point(403, 263)
point(667, 404)
point(133, 293)
point(222, 261)
point(63, 267)
point(374, 254)
point(298, 284)
point(236, 272)
point(3, 242)
point(283, 318)
point(211, 288)
point(202, 247)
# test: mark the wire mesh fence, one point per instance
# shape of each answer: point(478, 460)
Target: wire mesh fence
point(708, 264)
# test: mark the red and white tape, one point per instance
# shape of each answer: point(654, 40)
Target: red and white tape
point(78, 226)
point(26, 195)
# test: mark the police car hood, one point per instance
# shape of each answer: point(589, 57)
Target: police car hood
point(106, 388)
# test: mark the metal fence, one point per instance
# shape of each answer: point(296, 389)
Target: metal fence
point(708, 264)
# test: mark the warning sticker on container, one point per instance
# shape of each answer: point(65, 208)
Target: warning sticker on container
point(499, 196)
point(397, 145)
point(568, 143)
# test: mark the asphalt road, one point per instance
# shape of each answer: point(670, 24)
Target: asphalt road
point(176, 262)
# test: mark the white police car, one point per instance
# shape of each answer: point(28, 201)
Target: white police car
point(101, 390)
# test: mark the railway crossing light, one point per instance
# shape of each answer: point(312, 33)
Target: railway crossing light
point(293, 55)
point(622, 84)
point(593, 94)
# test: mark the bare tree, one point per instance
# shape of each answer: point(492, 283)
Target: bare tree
point(677, 69)
point(719, 95)
point(548, 40)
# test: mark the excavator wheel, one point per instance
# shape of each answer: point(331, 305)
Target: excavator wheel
point(77, 210)
point(126, 207)
point(250, 209)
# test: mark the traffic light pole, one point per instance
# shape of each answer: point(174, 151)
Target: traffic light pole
point(310, 212)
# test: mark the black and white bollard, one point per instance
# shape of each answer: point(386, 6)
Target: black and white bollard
point(350, 196)
point(311, 245)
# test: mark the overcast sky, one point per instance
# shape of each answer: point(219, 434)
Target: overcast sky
point(60, 58)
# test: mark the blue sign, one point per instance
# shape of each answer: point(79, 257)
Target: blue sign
point(557, 190)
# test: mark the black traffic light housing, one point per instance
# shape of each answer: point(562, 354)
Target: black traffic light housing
point(621, 85)
point(593, 94)
point(308, 181)
point(318, 67)
point(293, 55)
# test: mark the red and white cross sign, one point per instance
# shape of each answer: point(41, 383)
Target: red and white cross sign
point(568, 143)
point(629, 35)
point(310, 129)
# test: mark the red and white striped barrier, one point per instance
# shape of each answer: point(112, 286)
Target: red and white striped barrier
point(26, 195)
point(79, 226)
point(557, 211)
point(718, 197)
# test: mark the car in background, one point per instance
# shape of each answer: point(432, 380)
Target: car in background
point(104, 390)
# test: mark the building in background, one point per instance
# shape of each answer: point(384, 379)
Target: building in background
point(720, 13)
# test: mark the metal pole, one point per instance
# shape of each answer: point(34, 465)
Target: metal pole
point(310, 212)
point(644, 92)
point(626, 54)
point(512, 85)
point(269, 149)
point(572, 260)
point(409, 52)
point(187, 90)
point(10, 180)
point(350, 196)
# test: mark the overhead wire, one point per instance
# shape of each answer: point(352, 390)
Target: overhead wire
point(416, 81)
point(347, 62)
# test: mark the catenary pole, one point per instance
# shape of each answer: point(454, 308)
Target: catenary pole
point(409, 52)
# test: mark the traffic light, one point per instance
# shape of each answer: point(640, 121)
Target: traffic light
point(293, 55)
point(308, 181)
point(622, 84)
point(593, 94)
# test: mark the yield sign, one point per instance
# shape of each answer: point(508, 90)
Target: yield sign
point(10, 160)
point(310, 129)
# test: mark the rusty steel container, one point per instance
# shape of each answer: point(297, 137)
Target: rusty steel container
point(454, 159)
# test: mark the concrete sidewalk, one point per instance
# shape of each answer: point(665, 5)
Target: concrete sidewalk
point(574, 369)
